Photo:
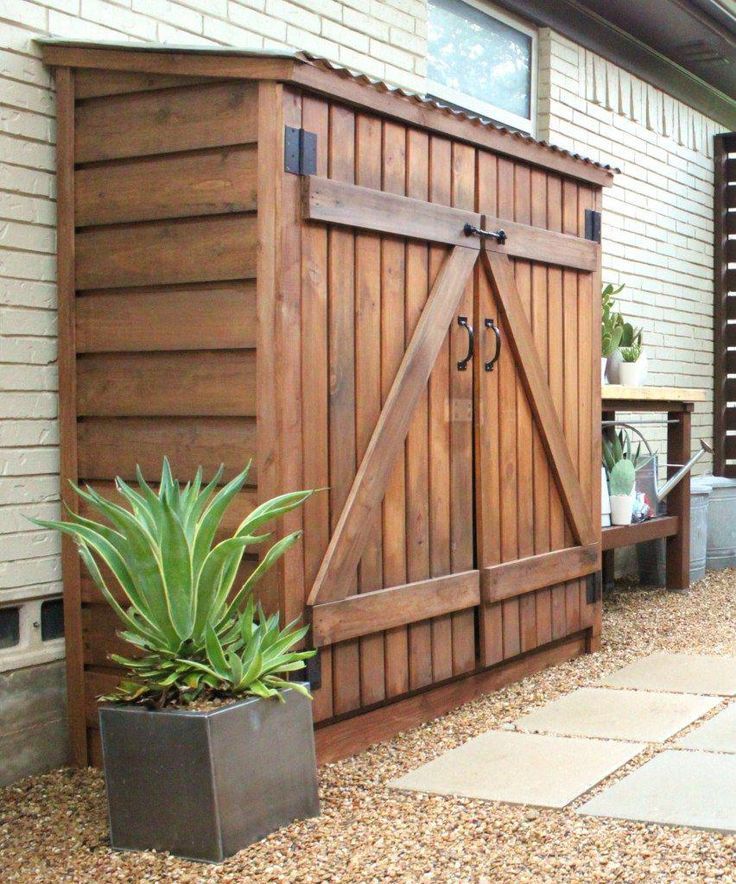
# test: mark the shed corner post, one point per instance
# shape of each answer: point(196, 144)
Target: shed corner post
point(71, 573)
point(279, 399)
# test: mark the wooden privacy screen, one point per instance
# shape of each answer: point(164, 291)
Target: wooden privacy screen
point(226, 295)
point(724, 321)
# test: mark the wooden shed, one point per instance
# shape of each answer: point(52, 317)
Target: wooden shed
point(262, 255)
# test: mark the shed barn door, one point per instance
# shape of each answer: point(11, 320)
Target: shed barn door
point(464, 526)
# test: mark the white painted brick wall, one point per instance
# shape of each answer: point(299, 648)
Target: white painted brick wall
point(657, 228)
point(657, 217)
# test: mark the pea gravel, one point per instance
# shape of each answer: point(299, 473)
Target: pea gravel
point(53, 827)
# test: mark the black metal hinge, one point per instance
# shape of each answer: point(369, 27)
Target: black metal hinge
point(593, 225)
point(594, 589)
point(300, 151)
point(313, 671)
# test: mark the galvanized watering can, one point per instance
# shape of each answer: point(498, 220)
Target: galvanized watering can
point(660, 492)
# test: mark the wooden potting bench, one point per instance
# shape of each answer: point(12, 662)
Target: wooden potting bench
point(678, 405)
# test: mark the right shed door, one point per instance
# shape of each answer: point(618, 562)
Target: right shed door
point(537, 443)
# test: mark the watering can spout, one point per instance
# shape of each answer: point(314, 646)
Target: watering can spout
point(683, 471)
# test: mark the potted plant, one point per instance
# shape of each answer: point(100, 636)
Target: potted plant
point(621, 487)
point(206, 745)
point(611, 328)
point(617, 447)
point(630, 370)
point(631, 336)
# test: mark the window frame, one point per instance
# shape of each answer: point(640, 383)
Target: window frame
point(484, 108)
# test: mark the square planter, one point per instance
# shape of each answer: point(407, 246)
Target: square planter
point(204, 785)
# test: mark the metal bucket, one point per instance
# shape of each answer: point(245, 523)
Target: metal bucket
point(652, 554)
point(721, 546)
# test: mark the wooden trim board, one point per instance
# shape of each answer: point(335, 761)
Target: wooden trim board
point(536, 572)
point(336, 202)
point(617, 392)
point(370, 612)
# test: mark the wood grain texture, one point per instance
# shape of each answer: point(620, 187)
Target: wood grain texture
point(397, 606)
point(208, 316)
point(164, 252)
point(627, 535)
point(92, 83)
point(205, 182)
point(339, 203)
point(526, 575)
point(527, 360)
point(166, 121)
point(203, 383)
point(390, 432)
point(110, 447)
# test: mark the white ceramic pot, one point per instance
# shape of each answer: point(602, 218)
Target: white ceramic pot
point(612, 369)
point(621, 508)
point(604, 363)
point(630, 374)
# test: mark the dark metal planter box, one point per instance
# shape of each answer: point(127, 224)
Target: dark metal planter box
point(204, 785)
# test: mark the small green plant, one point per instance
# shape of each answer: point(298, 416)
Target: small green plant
point(617, 446)
point(196, 639)
point(631, 354)
point(621, 478)
point(611, 322)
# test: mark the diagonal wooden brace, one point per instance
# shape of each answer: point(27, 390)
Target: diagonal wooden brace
point(369, 486)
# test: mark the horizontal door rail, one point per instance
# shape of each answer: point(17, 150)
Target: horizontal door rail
point(335, 202)
point(513, 579)
point(369, 612)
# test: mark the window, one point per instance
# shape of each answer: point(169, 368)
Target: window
point(9, 627)
point(485, 62)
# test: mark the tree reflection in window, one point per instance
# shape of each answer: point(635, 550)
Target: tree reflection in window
point(474, 54)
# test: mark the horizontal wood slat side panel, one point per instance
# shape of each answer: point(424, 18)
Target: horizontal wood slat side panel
point(100, 626)
point(525, 575)
point(343, 738)
point(730, 249)
point(207, 182)
point(731, 361)
point(396, 606)
point(91, 83)
point(731, 280)
point(731, 314)
point(730, 222)
point(145, 123)
point(730, 419)
point(110, 447)
point(164, 252)
point(729, 196)
point(730, 335)
point(336, 202)
point(210, 316)
point(365, 208)
point(731, 171)
point(200, 383)
point(627, 535)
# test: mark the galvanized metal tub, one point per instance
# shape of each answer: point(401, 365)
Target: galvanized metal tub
point(721, 549)
point(204, 785)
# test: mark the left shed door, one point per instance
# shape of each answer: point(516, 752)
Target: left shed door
point(394, 595)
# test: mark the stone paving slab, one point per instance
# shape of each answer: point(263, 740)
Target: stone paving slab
point(678, 673)
point(546, 771)
point(718, 734)
point(678, 788)
point(618, 714)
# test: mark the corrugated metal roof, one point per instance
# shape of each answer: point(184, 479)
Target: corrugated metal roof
point(334, 67)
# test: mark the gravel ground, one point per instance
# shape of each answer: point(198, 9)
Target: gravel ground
point(53, 827)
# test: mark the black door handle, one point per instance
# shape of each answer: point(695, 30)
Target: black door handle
point(463, 363)
point(489, 323)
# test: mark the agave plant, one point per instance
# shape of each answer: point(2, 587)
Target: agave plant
point(197, 637)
